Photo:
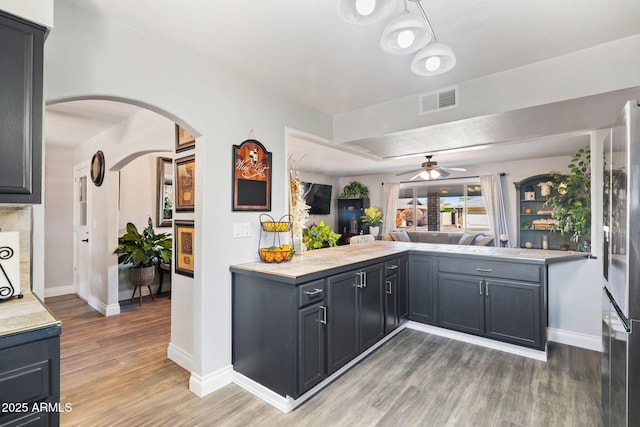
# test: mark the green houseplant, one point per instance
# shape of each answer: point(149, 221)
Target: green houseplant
point(355, 190)
point(373, 217)
point(142, 251)
point(319, 236)
point(572, 203)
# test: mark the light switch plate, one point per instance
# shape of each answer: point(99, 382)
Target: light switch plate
point(242, 229)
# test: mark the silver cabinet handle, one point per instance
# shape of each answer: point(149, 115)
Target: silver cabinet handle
point(480, 286)
point(358, 280)
point(484, 270)
point(314, 292)
point(487, 289)
point(324, 314)
point(388, 286)
point(392, 267)
point(364, 280)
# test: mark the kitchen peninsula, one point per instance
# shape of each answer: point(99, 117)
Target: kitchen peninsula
point(300, 324)
point(29, 363)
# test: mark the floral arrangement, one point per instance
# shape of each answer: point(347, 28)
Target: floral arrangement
point(545, 188)
point(298, 208)
point(372, 216)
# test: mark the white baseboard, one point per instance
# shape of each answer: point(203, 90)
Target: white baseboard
point(56, 291)
point(106, 310)
point(288, 404)
point(180, 356)
point(576, 339)
point(484, 342)
point(204, 385)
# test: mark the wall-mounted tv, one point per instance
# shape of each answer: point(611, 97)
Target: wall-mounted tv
point(318, 197)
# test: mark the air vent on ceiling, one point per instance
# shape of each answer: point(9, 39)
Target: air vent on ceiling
point(443, 99)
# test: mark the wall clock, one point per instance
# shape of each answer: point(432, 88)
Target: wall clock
point(97, 168)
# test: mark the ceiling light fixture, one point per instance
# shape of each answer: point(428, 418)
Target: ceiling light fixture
point(403, 34)
point(432, 174)
point(362, 12)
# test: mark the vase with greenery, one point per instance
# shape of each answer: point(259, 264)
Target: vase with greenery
point(143, 251)
point(572, 203)
point(354, 190)
point(319, 236)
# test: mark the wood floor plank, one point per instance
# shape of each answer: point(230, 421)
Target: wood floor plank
point(115, 372)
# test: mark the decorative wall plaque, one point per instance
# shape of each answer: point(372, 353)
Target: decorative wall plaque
point(251, 177)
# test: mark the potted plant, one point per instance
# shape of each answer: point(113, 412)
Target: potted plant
point(572, 204)
point(319, 236)
point(373, 217)
point(354, 190)
point(142, 251)
point(526, 225)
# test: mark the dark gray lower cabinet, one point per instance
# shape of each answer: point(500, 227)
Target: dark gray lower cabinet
point(403, 289)
point(30, 378)
point(391, 313)
point(423, 299)
point(355, 314)
point(505, 310)
point(311, 340)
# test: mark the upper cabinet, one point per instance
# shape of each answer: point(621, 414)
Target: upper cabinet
point(21, 44)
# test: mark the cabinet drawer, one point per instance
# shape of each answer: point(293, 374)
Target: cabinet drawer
point(505, 270)
point(391, 267)
point(310, 293)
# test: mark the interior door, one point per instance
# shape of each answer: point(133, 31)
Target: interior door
point(81, 263)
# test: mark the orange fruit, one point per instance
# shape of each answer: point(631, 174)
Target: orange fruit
point(286, 247)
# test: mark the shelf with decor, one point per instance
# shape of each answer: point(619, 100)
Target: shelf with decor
point(535, 218)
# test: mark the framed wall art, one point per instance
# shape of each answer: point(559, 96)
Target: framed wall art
point(251, 177)
point(184, 140)
point(185, 183)
point(184, 241)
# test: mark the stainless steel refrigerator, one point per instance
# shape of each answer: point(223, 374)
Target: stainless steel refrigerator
point(621, 267)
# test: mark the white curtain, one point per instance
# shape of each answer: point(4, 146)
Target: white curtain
point(390, 200)
point(494, 202)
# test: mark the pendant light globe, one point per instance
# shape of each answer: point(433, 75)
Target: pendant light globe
point(363, 12)
point(405, 34)
point(436, 58)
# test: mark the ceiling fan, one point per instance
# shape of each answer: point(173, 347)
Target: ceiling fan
point(431, 170)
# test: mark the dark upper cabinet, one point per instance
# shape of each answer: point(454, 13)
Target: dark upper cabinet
point(21, 47)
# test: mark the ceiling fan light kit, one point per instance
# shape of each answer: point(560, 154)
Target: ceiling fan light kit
point(363, 12)
point(403, 34)
point(431, 170)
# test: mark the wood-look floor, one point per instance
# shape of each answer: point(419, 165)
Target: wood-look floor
point(115, 373)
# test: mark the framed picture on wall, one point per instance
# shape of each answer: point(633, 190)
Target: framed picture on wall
point(184, 140)
point(251, 177)
point(185, 183)
point(184, 241)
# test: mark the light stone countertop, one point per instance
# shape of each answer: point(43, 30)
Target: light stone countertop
point(326, 259)
point(24, 315)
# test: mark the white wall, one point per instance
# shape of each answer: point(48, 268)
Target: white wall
point(89, 55)
point(599, 69)
point(58, 214)
point(38, 11)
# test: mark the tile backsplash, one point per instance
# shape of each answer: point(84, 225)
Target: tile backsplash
point(19, 219)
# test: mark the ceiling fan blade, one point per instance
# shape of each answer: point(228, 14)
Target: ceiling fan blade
point(411, 171)
point(443, 173)
point(454, 169)
point(416, 175)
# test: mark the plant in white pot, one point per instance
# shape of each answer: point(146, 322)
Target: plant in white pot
point(373, 217)
point(142, 251)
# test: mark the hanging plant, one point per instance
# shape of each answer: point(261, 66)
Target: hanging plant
point(572, 205)
point(354, 190)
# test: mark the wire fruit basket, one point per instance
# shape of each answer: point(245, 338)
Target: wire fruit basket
point(275, 239)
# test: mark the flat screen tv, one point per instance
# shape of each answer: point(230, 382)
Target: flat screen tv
point(318, 197)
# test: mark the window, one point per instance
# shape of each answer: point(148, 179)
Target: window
point(443, 205)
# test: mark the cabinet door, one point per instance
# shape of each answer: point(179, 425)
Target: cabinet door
point(391, 318)
point(20, 110)
point(461, 302)
point(342, 323)
point(422, 301)
point(402, 292)
point(371, 307)
point(513, 312)
point(312, 338)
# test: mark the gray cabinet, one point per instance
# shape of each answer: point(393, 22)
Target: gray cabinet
point(391, 318)
point(492, 302)
point(355, 314)
point(396, 301)
point(30, 377)
point(21, 44)
point(311, 340)
point(423, 301)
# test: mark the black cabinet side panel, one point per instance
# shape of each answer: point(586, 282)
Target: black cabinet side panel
point(264, 332)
